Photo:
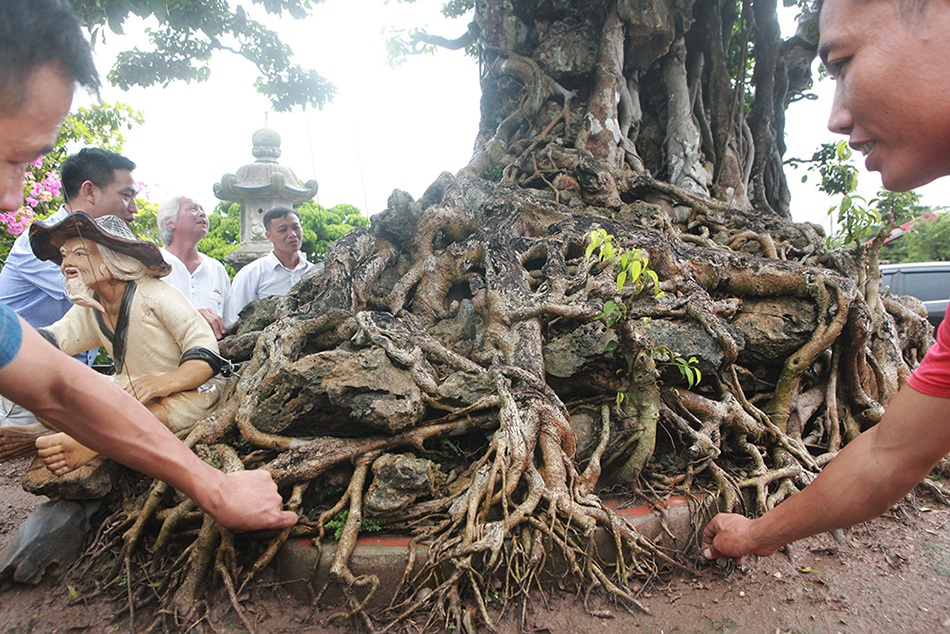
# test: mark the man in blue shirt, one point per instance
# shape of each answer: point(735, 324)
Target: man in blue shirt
point(43, 56)
point(96, 181)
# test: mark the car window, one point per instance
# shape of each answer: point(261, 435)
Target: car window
point(927, 285)
point(887, 279)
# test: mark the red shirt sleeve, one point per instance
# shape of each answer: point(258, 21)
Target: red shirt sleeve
point(932, 376)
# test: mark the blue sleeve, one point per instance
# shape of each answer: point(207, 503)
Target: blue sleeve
point(43, 275)
point(32, 288)
point(11, 335)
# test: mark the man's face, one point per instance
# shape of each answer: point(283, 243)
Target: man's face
point(191, 224)
point(892, 93)
point(81, 260)
point(30, 132)
point(115, 199)
point(285, 234)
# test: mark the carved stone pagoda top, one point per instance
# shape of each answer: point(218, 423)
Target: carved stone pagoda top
point(265, 177)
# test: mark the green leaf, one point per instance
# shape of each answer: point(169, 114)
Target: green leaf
point(655, 279)
point(636, 268)
point(842, 150)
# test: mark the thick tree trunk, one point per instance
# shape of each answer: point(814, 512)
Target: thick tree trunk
point(643, 86)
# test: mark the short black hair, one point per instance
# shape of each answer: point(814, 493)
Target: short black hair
point(91, 164)
point(33, 34)
point(279, 212)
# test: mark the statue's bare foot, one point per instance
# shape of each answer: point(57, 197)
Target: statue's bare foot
point(61, 453)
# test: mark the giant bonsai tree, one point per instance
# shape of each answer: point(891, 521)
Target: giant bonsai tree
point(610, 293)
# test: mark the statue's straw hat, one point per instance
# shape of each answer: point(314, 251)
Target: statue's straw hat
point(111, 231)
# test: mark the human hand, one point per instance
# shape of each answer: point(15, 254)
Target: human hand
point(214, 320)
point(730, 535)
point(249, 501)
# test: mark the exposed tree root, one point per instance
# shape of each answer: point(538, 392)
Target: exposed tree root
point(454, 332)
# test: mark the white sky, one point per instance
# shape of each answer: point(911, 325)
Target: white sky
point(386, 129)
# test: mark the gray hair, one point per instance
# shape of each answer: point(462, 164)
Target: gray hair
point(122, 266)
point(168, 211)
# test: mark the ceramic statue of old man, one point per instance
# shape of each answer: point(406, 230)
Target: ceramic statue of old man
point(164, 352)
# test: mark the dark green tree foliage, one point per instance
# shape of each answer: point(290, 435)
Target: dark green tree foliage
point(321, 226)
point(187, 35)
point(928, 239)
point(145, 224)
point(224, 233)
point(101, 125)
point(858, 219)
point(833, 163)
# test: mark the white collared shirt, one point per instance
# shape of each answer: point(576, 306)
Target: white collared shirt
point(264, 277)
point(208, 287)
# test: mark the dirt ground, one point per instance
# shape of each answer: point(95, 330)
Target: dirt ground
point(890, 575)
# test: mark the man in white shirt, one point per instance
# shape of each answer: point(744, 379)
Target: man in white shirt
point(278, 271)
point(182, 223)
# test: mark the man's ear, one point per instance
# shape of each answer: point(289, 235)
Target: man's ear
point(88, 191)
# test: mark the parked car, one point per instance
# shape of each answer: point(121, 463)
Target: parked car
point(927, 281)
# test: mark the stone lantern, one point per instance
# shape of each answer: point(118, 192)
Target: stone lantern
point(259, 187)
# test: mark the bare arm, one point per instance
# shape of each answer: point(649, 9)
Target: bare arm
point(100, 415)
point(864, 480)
